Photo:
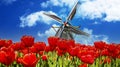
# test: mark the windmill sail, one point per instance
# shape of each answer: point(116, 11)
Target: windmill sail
point(76, 31)
point(70, 35)
point(72, 13)
point(66, 29)
point(66, 35)
point(53, 17)
point(60, 31)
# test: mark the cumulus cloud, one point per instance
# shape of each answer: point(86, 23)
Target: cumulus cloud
point(32, 19)
point(49, 32)
point(91, 39)
point(96, 22)
point(60, 3)
point(107, 10)
point(7, 1)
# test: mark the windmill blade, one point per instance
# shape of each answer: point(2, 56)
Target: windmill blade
point(79, 32)
point(53, 17)
point(54, 28)
point(60, 31)
point(71, 36)
point(72, 13)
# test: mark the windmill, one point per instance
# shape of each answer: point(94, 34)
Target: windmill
point(66, 29)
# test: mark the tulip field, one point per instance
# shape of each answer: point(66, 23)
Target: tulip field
point(58, 53)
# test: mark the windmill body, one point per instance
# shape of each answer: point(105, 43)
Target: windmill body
point(66, 30)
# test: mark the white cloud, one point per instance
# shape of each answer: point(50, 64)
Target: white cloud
point(7, 1)
point(96, 22)
point(99, 8)
point(33, 18)
point(49, 32)
point(60, 3)
point(91, 39)
point(44, 5)
point(107, 10)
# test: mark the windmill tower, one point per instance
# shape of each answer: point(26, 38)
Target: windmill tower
point(66, 29)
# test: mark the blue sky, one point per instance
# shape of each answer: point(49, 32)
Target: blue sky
point(99, 18)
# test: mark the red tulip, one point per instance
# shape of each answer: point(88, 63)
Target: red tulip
point(100, 45)
point(7, 56)
point(87, 59)
point(41, 53)
point(33, 50)
point(24, 51)
point(8, 43)
point(3, 57)
point(62, 45)
point(5, 43)
point(83, 65)
point(97, 54)
point(39, 46)
point(112, 47)
point(71, 43)
point(107, 60)
point(2, 42)
point(118, 47)
point(29, 60)
point(18, 46)
point(60, 52)
point(47, 48)
point(18, 60)
point(105, 52)
point(113, 50)
point(73, 51)
point(53, 41)
point(27, 40)
point(44, 58)
point(115, 53)
point(118, 56)
point(86, 56)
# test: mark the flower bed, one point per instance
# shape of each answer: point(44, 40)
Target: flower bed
point(58, 53)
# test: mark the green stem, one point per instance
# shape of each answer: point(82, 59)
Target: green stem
point(57, 61)
point(97, 62)
point(63, 61)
